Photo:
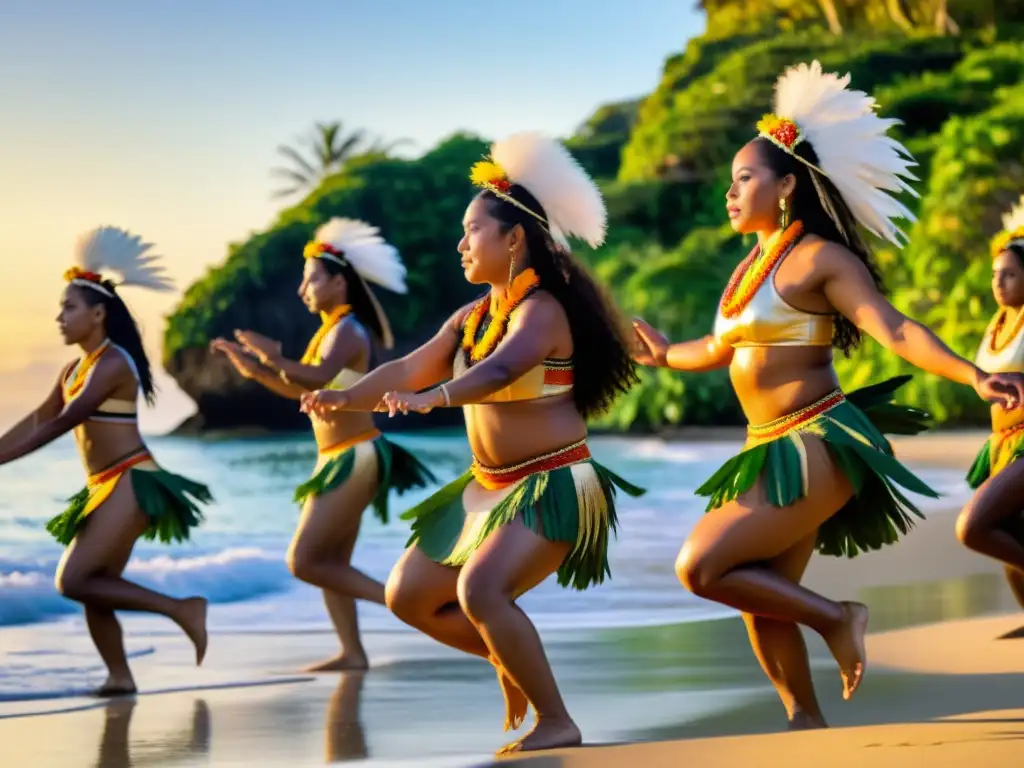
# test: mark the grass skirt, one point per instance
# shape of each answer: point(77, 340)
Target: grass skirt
point(999, 451)
point(170, 501)
point(565, 497)
point(396, 469)
point(852, 427)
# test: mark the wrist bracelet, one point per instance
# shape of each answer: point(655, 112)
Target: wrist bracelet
point(444, 394)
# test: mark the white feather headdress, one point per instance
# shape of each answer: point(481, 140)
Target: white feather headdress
point(357, 244)
point(572, 203)
point(849, 138)
point(107, 249)
point(1013, 229)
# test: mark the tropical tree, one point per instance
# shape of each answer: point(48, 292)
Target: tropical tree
point(328, 148)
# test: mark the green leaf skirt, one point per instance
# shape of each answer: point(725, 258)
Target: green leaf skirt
point(564, 496)
point(170, 501)
point(999, 451)
point(852, 427)
point(396, 468)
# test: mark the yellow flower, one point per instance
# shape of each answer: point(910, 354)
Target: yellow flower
point(487, 173)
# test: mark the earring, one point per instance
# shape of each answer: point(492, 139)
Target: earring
point(784, 215)
point(511, 264)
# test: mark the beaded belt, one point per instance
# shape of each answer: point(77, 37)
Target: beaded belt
point(118, 469)
point(786, 424)
point(495, 478)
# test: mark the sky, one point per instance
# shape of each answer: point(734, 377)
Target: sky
point(163, 118)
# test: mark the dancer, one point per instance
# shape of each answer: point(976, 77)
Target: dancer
point(356, 466)
point(95, 397)
point(992, 523)
point(816, 472)
point(529, 362)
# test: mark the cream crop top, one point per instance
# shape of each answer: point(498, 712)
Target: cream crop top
point(770, 321)
point(1008, 359)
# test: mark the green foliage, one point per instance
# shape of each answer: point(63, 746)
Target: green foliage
point(417, 203)
point(663, 162)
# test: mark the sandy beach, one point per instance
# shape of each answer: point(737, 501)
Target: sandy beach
point(939, 687)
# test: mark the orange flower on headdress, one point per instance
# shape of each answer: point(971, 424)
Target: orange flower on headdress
point(76, 273)
point(489, 175)
point(315, 249)
point(1004, 238)
point(781, 131)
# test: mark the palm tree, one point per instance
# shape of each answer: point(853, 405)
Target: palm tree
point(329, 148)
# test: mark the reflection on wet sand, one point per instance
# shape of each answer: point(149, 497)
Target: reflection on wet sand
point(117, 751)
point(345, 738)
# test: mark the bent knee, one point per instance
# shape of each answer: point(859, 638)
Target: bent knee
point(968, 529)
point(69, 584)
point(694, 571)
point(478, 594)
point(301, 563)
point(402, 597)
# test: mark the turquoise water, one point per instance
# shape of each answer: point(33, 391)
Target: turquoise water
point(237, 558)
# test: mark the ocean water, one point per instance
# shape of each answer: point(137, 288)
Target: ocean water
point(236, 559)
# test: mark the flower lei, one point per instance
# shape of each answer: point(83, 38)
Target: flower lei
point(74, 387)
point(525, 283)
point(998, 323)
point(328, 323)
point(748, 279)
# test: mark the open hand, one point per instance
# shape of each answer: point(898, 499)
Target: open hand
point(650, 345)
point(267, 350)
point(424, 402)
point(243, 363)
point(322, 402)
point(1007, 389)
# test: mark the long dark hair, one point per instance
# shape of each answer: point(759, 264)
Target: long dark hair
point(806, 205)
point(1018, 252)
point(358, 295)
point(602, 363)
point(122, 330)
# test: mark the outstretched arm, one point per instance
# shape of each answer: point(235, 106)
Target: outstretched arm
point(424, 367)
point(108, 374)
point(342, 345)
point(849, 287)
point(249, 368)
point(49, 409)
point(654, 349)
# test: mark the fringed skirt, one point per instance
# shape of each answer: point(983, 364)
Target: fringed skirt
point(394, 467)
point(564, 496)
point(170, 501)
point(852, 427)
point(999, 451)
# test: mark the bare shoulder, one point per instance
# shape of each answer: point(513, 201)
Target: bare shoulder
point(114, 367)
point(542, 306)
point(827, 258)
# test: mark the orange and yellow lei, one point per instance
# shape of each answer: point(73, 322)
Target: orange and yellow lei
point(525, 283)
point(997, 344)
point(748, 279)
point(329, 322)
point(74, 386)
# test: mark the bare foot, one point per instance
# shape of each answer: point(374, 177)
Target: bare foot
point(192, 620)
point(846, 642)
point(801, 721)
point(1013, 634)
point(546, 734)
point(343, 662)
point(515, 701)
point(116, 686)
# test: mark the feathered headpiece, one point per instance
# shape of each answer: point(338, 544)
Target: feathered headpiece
point(354, 243)
point(572, 203)
point(850, 140)
point(1013, 229)
point(114, 249)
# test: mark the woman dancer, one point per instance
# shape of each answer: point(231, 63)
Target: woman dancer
point(529, 362)
point(817, 472)
point(356, 466)
point(96, 398)
point(993, 522)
